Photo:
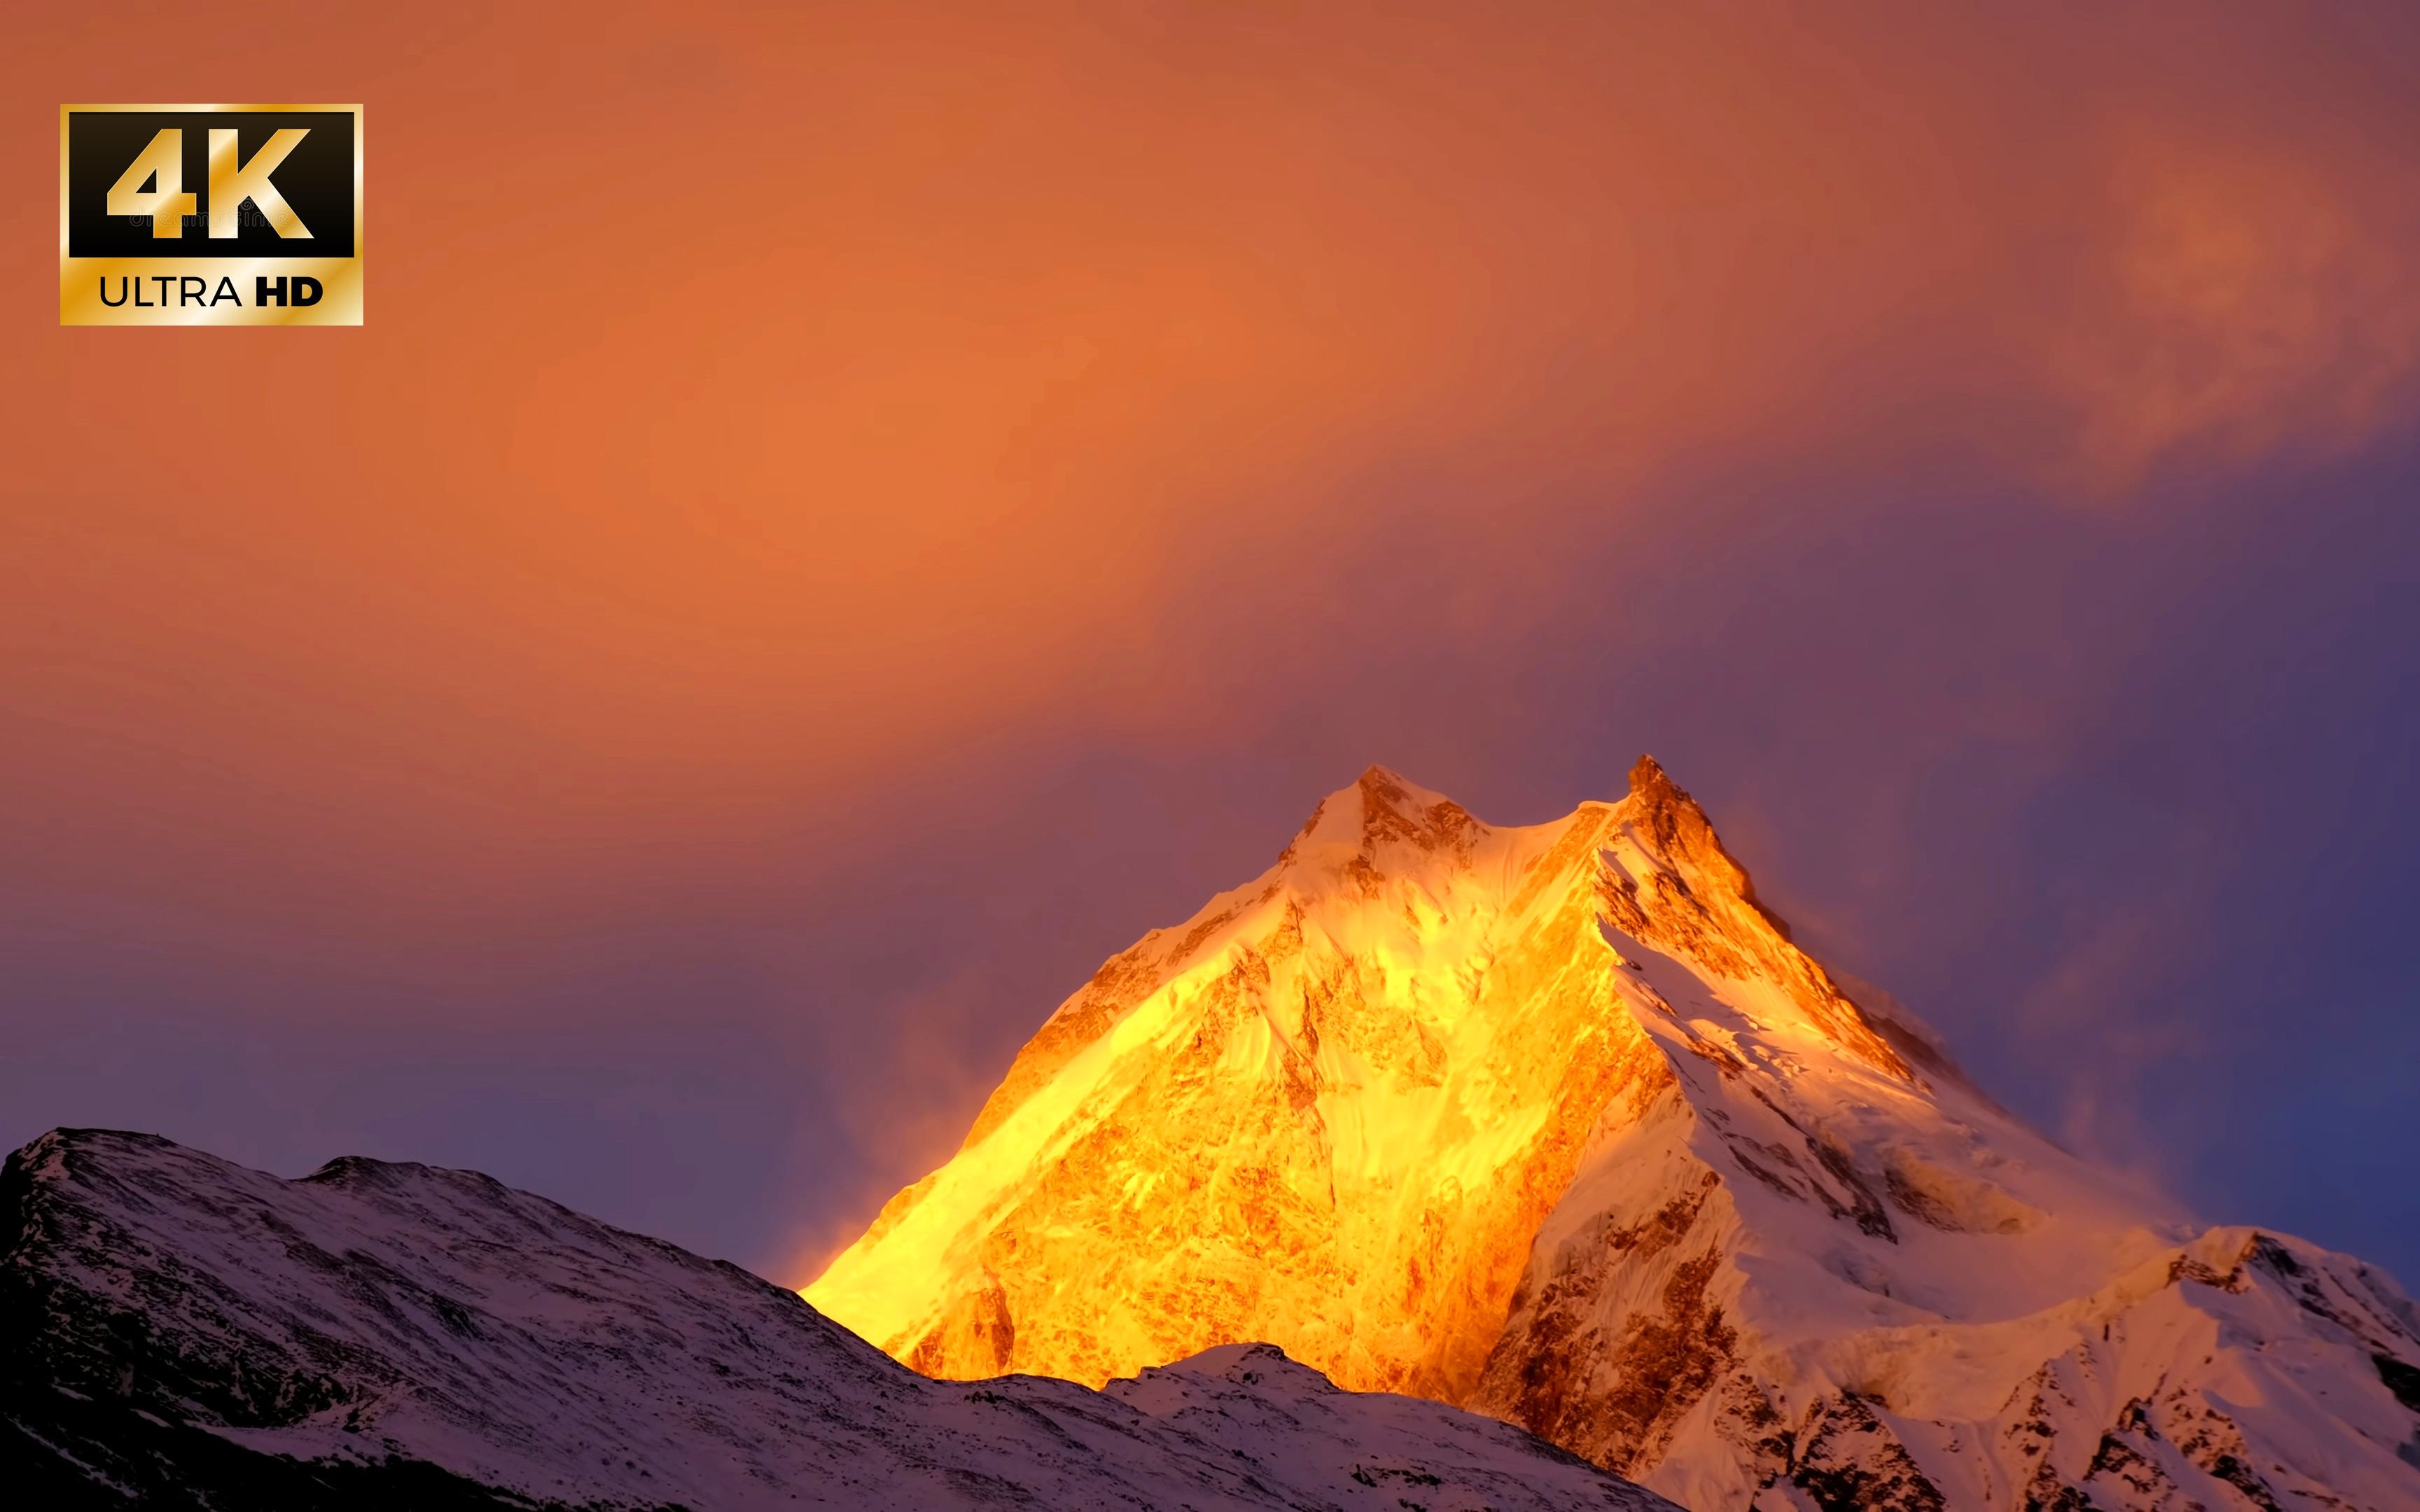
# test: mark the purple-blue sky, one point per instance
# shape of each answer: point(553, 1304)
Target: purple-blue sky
point(840, 520)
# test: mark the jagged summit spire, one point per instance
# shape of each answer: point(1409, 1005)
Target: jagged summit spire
point(1380, 806)
point(1382, 784)
point(1653, 792)
point(1678, 824)
point(1649, 778)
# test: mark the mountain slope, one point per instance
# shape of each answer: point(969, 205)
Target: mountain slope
point(1557, 1122)
point(178, 1331)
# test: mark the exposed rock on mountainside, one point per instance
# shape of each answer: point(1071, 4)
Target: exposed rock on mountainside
point(179, 1332)
point(1557, 1124)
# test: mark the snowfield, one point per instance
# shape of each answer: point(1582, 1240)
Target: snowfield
point(182, 1332)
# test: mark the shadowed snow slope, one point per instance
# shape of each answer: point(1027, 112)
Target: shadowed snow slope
point(1557, 1124)
point(179, 1332)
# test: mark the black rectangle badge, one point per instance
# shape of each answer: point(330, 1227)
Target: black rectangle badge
point(209, 214)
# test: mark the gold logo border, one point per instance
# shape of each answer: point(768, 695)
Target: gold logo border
point(340, 278)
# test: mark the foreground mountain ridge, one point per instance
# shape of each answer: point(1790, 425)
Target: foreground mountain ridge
point(1557, 1122)
point(178, 1332)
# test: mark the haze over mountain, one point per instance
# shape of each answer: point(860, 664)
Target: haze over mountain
point(178, 1332)
point(1556, 1123)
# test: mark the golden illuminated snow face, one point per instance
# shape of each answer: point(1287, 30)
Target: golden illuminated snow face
point(1332, 1111)
point(1556, 1123)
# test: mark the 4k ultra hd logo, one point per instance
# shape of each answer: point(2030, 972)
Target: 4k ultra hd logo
point(210, 215)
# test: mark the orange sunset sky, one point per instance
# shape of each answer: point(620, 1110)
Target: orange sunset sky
point(840, 516)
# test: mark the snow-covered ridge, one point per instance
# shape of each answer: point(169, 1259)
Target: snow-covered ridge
point(179, 1330)
point(1557, 1122)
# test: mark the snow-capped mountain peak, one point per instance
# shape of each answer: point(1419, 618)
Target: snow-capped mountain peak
point(1557, 1122)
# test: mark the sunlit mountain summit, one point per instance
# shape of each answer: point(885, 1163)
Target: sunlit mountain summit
point(1556, 1123)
